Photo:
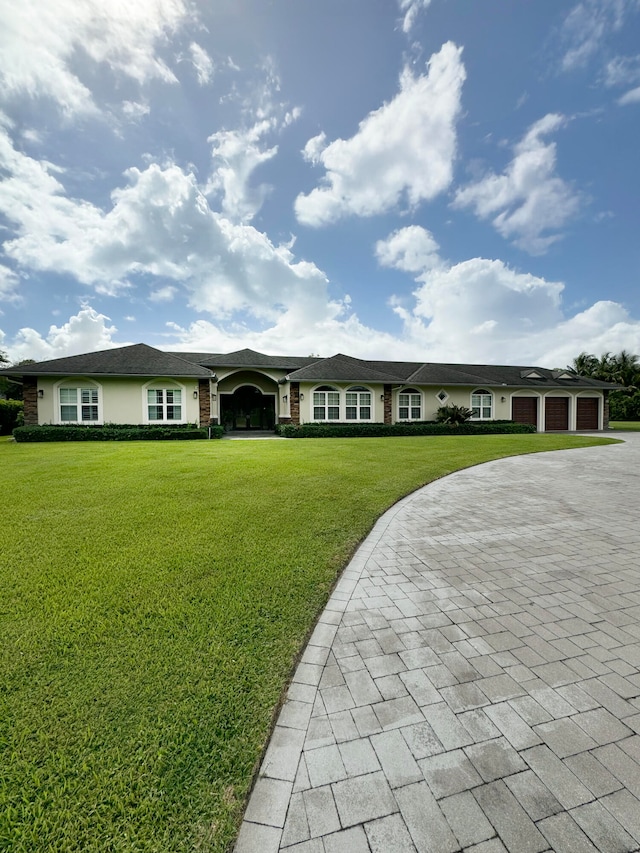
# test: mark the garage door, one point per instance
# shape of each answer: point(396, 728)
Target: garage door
point(556, 413)
point(525, 410)
point(587, 413)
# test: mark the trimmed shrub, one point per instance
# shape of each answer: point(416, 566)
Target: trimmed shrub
point(340, 430)
point(115, 432)
point(10, 414)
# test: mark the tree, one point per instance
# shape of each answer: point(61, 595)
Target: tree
point(11, 389)
point(623, 368)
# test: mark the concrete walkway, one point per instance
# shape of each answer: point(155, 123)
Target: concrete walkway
point(473, 684)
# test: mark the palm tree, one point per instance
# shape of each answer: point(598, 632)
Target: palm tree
point(584, 364)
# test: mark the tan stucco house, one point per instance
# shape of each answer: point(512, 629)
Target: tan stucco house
point(139, 384)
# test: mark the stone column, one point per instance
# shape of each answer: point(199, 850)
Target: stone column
point(30, 399)
point(605, 410)
point(204, 399)
point(388, 405)
point(294, 402)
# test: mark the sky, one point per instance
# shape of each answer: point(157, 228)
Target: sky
point(420, 180)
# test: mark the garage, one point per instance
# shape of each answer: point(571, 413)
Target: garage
point(524, 410)
point(587, 413)
point(556, 413)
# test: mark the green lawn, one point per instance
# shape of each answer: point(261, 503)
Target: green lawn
point(154, 596)
point(630, 426)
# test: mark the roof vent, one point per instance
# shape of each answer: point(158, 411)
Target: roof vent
point(531, 373)
point(563, 374)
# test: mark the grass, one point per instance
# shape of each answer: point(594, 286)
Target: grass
point(154, 599)
point(629, 426)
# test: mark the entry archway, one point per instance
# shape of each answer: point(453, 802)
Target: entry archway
point(248, 408)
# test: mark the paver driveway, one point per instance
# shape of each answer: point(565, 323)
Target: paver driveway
point(474, 681)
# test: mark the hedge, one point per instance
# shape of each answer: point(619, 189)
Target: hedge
point(340, 430)
point(115, 432)
point(10, 412)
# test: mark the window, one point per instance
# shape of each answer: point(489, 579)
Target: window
point(481, 405)
point(78, 405)
point(409, 405)
point(164, 404)
point(358, 404)
point(326, 404)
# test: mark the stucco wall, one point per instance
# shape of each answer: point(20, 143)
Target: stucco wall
point(120, 400)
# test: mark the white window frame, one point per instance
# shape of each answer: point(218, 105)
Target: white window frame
point(482, 406)
point(87, 400)
point(410, 405)
point(362, 404)
point(166, 402)
point(320, 400)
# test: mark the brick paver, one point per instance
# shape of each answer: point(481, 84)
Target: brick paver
point(473, 684)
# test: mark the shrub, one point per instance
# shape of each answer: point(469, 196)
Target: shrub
point(115, 432)
point(623, 407)
point(377, 430)
point(10, 415)
point(454, 415)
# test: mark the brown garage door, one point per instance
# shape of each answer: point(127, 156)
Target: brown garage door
point(556, 413)
point(587, 413)
point(525, 410)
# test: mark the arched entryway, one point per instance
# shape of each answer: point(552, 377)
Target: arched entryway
point(248, 408)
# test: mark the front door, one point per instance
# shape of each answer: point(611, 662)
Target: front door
point(248, 408)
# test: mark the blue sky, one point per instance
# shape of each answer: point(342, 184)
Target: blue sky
point(432, 180)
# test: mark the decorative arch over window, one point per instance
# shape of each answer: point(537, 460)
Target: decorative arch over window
point(164, 401)
point(78, 401)
point(481, 405)
point(326, 403)
point(358, 403)
point(410, 405)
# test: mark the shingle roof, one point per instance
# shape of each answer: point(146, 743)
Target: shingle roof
point(476, 375)
point(135, 360)
point(143, 360)
point(343, 368)
point(247, 358)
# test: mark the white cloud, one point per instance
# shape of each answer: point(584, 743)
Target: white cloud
point(159, 226)
point(236, 155)
point(587, 26)
point(630, 97)
point(45, 47)
point(410, 10)
point(480, 310)
point(403, 151)
point(529, 203)
point(9, 282)
point(135, 109)
point(84, 332)
point(202, 63)
point(411, 249)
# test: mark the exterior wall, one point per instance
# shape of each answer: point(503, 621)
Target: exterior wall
point(232, 380)
point(306, 399)
point(121, 400)
point(457, 397)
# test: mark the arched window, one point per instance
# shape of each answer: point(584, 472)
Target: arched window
point(164, 402)
point(410, 405)
point(326, 404)
point(78, 402)
point(358, 404)
point(481, 405)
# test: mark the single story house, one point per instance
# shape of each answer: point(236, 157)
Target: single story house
point(249, 390)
